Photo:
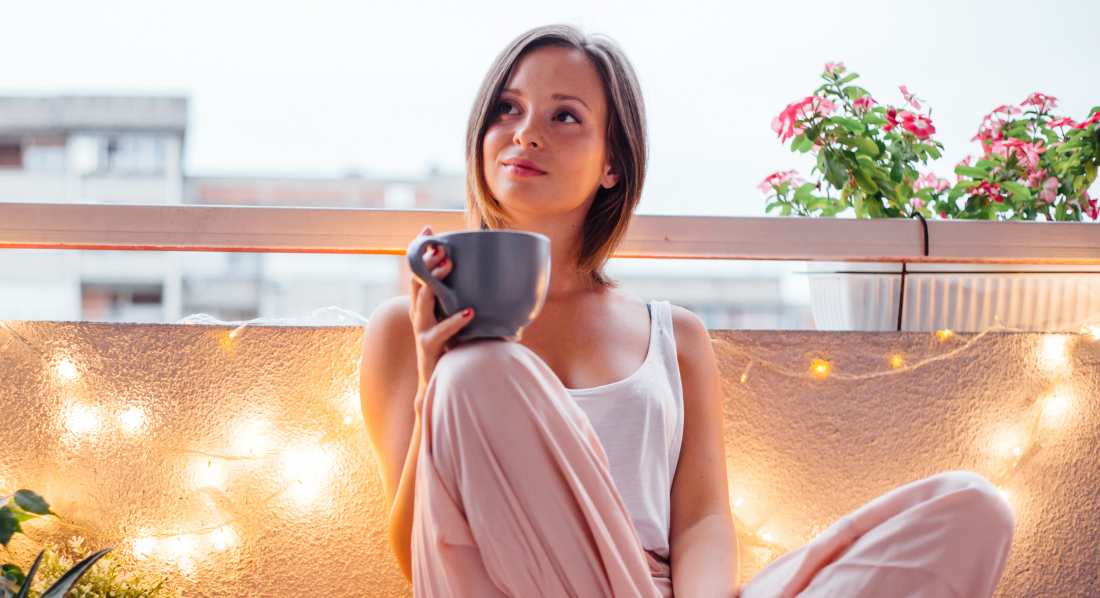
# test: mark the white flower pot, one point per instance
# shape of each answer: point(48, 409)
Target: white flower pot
point(960, 297)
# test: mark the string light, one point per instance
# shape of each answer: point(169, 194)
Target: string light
point(66, 369)
point(306, 467)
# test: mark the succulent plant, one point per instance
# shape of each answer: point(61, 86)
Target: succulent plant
point(60, 588)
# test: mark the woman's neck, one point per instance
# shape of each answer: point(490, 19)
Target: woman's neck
point(564, 231)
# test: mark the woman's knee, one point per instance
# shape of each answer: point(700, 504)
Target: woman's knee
point(978, 498)
point(475, 373)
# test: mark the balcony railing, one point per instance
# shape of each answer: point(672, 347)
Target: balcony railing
point(335, 230)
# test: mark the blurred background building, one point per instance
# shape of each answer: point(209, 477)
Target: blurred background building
point(130, 149)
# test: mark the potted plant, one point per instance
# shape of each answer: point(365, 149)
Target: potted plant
point(873, 161)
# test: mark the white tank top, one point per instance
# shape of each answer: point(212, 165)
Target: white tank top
point(640, 422)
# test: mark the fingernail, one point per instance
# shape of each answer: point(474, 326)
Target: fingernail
point(442, 262)
point(435, 250)
point(466, 312)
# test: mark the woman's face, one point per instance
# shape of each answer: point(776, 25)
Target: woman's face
point(545, 151)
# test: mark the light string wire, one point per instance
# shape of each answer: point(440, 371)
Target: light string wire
point(1020, 453)
point(755, 537)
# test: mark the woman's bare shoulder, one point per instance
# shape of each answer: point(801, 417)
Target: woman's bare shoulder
point(692, 338)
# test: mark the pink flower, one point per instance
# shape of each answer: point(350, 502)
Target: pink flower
point(1028, 153)
point(773, 181)
point(930, 180)
point(786, 124)
point(910, 97)
point(989, 189)
point(833, 68)
point(1088, 122)
point(1049, 191)
point(1041, 101)
point(1063, 121)
point(1093, 210)
point(863, 104)
point(891, 118)
point(917, 203)
point(917, 124)
point(1006, 109)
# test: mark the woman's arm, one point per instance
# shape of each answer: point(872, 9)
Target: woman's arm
point(401, 345)
point(702, 539)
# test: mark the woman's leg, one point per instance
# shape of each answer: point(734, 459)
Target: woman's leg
point(947, 535)
point(513, 495)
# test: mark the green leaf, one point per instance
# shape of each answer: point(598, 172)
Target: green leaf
point(1019, 192)
point(66, 582)
point(851, 77)
point(853, 126)
point(14, 573)
point(25, 588)
point(972, 172)
point(802, 143)
point(804, 193)
point(865, 183)
point(32, 502)
point(9, 525)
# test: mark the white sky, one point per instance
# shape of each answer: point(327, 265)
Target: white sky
point(323, 87)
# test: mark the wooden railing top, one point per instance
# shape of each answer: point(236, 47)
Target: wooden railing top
point(348, 230)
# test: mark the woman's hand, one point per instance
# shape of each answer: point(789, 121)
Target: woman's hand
point(431, 333)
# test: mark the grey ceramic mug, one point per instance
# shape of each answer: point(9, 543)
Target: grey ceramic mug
point(502, 274)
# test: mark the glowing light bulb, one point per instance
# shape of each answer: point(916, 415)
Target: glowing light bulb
point(339, 316)
point(66, 369)
point(1017, 451)
point(1092, 330)
point(233, 334)
point(897, 361)
point(347, 420)
point(945, 334)
point(133, 419)
point(221, 539)
point(309, 469)
point(820, 368)
point(81, 419)
point(744, 377)
point(251, 439)
point(738, 502)
point(766, 537)
point(1056, 407)
point(1054, 352)
point(143, 547)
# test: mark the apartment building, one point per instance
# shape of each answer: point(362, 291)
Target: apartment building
point(129, 150)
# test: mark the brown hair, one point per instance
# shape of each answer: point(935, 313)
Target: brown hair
point(611, 211)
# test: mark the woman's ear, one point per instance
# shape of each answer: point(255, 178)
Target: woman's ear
point(609, 178)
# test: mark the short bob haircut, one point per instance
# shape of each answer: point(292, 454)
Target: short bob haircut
point(611, 211)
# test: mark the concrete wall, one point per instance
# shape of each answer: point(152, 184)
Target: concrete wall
point(239, 466)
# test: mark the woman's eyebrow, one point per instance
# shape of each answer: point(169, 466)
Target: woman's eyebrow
point(562, 96)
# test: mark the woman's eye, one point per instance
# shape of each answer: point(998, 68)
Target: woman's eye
point(565, 117)
point(506, 108)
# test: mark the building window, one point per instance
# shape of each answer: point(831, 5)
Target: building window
point(11, 156)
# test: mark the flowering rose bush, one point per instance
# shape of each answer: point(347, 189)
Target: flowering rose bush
point(1033, 164)
point(867, 154)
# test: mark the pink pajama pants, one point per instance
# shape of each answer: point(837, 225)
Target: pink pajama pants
point(514, 498)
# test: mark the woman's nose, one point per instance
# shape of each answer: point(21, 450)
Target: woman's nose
point(527, 133)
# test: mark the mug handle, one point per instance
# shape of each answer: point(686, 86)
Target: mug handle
point(415, 254)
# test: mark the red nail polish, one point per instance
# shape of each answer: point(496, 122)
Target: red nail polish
point(435, 250)
point(466, 312)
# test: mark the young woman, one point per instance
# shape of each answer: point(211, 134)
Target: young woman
point(588, 458)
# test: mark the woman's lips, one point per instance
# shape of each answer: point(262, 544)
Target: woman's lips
point(522, 168)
